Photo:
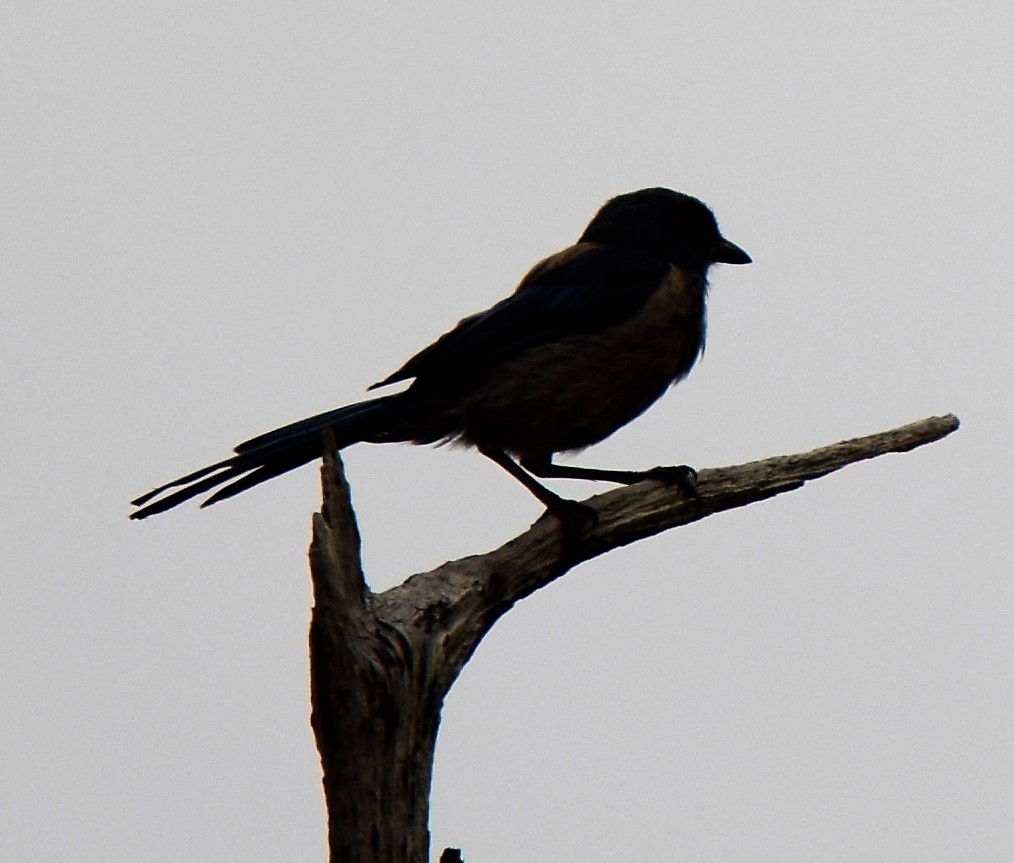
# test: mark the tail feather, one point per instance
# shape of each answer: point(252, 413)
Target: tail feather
point(265, 472)
point(227, 472)
point(354, 422)
point(183, 480)
point(277, 452)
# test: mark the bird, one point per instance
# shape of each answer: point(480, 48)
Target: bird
point(591, 337)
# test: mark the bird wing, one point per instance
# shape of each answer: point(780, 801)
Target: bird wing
point(584, 288)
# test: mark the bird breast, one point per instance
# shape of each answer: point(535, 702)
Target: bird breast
point(571, 393)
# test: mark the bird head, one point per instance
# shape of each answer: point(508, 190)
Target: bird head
point(675, 226)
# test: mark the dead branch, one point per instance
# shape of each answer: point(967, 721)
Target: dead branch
point(381, 665)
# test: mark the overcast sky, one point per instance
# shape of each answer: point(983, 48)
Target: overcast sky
point(217, 218)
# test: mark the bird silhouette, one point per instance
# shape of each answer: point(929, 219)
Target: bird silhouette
point(591, 337)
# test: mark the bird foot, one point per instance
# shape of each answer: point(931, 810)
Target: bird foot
point(575, 518)
point(682, 476)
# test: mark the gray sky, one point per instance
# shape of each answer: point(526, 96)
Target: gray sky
point(220, 217)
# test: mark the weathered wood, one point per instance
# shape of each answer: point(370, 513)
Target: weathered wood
point(371, 700)
point(381, 665)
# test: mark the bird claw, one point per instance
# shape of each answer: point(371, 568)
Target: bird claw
point(682, 476)
point(575, 518)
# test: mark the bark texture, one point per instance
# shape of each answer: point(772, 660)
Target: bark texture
point(381, 664)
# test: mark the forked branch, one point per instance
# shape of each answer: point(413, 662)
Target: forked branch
point(381, 664)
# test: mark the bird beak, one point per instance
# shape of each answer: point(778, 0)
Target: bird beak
point(730, 253)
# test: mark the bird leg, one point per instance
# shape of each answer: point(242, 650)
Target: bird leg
point(575, 516)
point(682, 476)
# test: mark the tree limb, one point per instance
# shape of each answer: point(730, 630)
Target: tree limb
point(381, 665)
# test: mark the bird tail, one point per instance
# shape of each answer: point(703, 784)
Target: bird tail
point(279, 451)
